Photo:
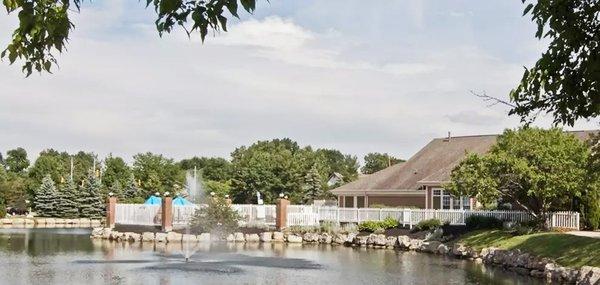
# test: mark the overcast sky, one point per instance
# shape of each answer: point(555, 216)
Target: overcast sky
point(357, 76)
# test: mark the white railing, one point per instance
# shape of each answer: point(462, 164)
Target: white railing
point(302, 219)
point(568, 220)
point(137, 214)
point(255, 214)
point(182, 215)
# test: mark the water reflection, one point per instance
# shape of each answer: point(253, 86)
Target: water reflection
point(69, 256)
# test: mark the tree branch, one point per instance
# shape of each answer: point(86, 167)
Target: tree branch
point(492, 100)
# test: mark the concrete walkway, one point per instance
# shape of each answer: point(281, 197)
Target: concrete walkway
point(585, 234)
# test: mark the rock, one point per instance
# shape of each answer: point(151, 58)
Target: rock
point(106, 233)
point(266, 236)
point(148, 236)
point(278, 237)
point(239, 237)
point(97, 232)
point(204, 237)
point(430, 246)
point(84, 221)
point(415, 244)
point(114, 235)
point(404, 242)
point(522, 260)
point(350, 238)
point(134, 237)
point(569, 275)
point(478, 260)
point(252, 238)
point(360, 240)
point(18, 221)
point(29, 222)
point(160, 237)
point(537, 273)
point(50, 221)
point(6, 221)
point(294, 239)
point(589, 275)
point(339, 239)
point(443, 249)
point(174, 237)
point(230, 238)
point(391, 242)
point(310, 237)
point(459, 249)
point(378, 240)
point(188, 238)
point(59, 221)
point(325, 238)
point(95, 223)
point(39, 221)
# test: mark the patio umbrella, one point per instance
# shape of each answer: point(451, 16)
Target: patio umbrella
point(180, 201)
point(153, 200)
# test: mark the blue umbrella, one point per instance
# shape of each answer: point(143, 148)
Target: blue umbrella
point(180, 201)
point(153, 200)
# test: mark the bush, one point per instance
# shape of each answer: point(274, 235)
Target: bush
point(477, 222)
point(216, 218)
point(373, 226)
point(378, 206)
point(427, 225)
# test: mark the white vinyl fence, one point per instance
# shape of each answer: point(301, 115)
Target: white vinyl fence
point(182, 215)
point(309, 215)
point(256, 214)
point(137, 214)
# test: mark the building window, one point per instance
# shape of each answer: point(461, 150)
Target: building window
point(466, 203)
point(349, 201)
point(360, 201)
point(445, 201)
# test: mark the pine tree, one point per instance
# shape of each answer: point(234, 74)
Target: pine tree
point(46, 198)
point(68, 206)
point(116, 189)
point(313, 188)
point(131, 189)
point(89, 199)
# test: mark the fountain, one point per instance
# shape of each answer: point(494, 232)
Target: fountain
point(195, 194)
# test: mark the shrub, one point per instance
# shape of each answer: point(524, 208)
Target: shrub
point(378, 206)
point(477, 222)
point(373, 226)
point(427, 225)
point(216, 218)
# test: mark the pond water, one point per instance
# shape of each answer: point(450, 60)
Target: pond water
point(69, 256)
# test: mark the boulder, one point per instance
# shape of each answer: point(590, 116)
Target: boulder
point(189, 238)
point(174, 237)
point(148, 236)
point(203, 237)
point(339, 239)
point(29, 222)
point(415, 244)
point(252, 238)
point(95, 223)
point(459, 249)
point(589, 275)
point(97, 232)
point(278, 237)
point(377, 240)
point(294, 239)
point(391, 242)
point(325, 238)
point(134, 237)
point(160, 237)
point(360, 240)
point(106, 233)
point(310, 237)
point(404, 242)
point(114, 235)
point(239, 237)
point(443, 249)
point(59, 221)
point(522, 260)
point(84, 221)
point(430, 246)
point(350, 238)
point(18, 221)
point(50, 221)
point(266, 236)
point(6, 221)
point(230, 238)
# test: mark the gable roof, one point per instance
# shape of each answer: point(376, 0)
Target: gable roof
point(432, 165)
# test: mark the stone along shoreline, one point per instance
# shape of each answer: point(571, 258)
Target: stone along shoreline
point(49, 223)
point(514, 260)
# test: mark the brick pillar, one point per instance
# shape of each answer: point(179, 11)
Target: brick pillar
point(281, 211)
point(110, 212)
point(167, 214)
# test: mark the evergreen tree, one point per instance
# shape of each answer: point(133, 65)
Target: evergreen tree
point(46, 198)
point(131, 189)
point(89, 199)
point(68, 206)
point(116, 189)
point(313, 188)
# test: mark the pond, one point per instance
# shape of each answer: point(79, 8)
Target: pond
point(69, 256)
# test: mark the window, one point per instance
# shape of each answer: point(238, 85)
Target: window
point(466, 203)
point(360, 201)
point(349, 201)
point(442, 200)
point(455, 203)
point(446, 202)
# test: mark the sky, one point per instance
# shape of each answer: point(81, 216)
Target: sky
point(385, 76)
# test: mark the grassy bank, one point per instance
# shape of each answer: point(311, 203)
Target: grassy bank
point(565, 249)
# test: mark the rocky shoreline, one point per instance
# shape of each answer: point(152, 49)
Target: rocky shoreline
point(48, 223)
point(513, 260)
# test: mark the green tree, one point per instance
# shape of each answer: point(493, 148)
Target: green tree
point(217, 218)
point(376, 161)
point(211, 168)
point(13, 189)
point(131, 190)
point(590, 200)
point(46, 198)
point(82, 163)
point(68, 206)
point(16, 160)
point(115, 170)
point(565, 81)
point(157, 173)
point(44, 25)
point(49, 162)
point(313, 186)
point(89, 199)
point(336, 161)
point(219, 188)
point(538, 170)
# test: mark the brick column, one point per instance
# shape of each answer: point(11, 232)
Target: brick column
point(281, 212)
point(110, 212)
point(167, 214)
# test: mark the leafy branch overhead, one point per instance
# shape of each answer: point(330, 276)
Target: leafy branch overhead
point(44, 25)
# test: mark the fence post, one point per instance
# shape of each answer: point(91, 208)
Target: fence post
point(167, 214)
point(110, 212)
point(281, 213)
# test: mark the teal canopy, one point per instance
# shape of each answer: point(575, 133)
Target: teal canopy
point(180, 201)
point(153, 200)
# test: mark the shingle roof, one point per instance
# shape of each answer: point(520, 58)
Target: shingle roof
point(431, 165)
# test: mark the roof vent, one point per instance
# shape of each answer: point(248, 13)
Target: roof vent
point(447, 139)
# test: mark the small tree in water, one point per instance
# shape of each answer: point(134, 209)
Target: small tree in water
point(217, 218)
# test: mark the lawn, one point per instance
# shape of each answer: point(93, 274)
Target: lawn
point(565, 249)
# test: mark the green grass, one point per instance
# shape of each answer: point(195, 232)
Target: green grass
point(565, 249)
